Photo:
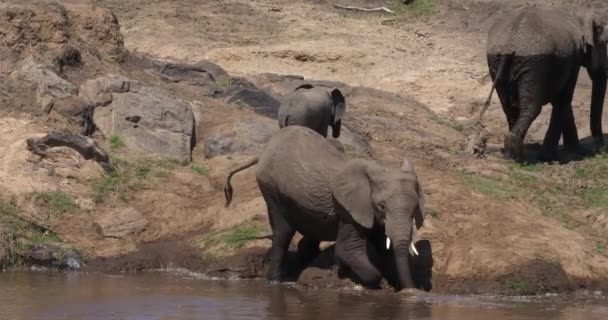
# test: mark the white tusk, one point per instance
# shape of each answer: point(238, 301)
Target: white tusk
point(413, 247)
point(388, 243)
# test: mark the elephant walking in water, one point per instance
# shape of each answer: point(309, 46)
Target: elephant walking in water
point(363, 205)
point(534, 56)
point(314, 107)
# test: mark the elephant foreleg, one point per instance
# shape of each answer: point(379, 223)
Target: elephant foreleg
point(549, 149)
point(351, 253)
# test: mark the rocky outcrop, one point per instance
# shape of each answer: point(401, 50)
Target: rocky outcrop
point(121, 223)
point(98, 92)
point(47, 84)
point(245, 93)
point(150, 121)
point(85, 146)
point(53, 255)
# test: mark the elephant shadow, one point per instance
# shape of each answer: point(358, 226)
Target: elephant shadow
point(420, 266)
point(532, 152)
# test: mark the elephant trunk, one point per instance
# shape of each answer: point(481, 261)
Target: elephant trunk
point(401, 254)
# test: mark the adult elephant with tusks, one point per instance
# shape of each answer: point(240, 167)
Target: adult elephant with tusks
point(534, 56)
point(314, 107)
point(308, 187)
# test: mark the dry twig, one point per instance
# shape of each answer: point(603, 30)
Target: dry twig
point(385, 9)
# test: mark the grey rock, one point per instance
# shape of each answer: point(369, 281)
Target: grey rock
point(49, 85)
point(53, 255)
point(250, 96)
point(151, 122)
point(353, 145)
point(121, 223)
point(98, 92)
point(248, 136)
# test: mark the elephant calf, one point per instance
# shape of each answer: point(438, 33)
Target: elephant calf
point(534, 56)
point(314, 107)
point(308, 187)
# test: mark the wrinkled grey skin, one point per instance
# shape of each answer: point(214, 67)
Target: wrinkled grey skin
point(315, 107)
point(534, 56)
point(309, 188)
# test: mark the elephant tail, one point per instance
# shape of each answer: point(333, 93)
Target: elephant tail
point(504, 61)
point(228, 192)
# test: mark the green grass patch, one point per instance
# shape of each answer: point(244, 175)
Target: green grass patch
point(417, 8)
point(431, 212)
point(21, 234)
point(595, 197)
point(232, 238)
point(130, 176)
point(601, 248)
point(224, 83)
point(486, 185)
point(556, 264)
point(116, 142)
point(200, 170)
point(56, 203)
point(349, 152)
point(518, 286)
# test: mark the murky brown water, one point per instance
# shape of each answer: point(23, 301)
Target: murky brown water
point(169, 295)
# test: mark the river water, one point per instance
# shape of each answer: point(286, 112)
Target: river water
point(182, 296)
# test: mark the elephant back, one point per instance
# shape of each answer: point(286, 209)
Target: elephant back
point(533, 31)
point(310, 107)
point(299, 163)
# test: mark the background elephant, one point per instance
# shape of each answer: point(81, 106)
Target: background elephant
point(309, 188)
point(534, 56)
point(315, 107)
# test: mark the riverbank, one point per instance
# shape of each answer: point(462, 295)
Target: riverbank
point(409, 80)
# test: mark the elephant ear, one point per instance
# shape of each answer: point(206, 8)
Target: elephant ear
point(589, 24)
point(408, 168)
point(353, 191)
point(419, 211)
point(594, 38)
point(339, 105)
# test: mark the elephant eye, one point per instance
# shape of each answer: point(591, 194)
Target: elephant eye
point(381, 206)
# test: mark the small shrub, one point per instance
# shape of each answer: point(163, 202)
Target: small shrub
point(116, 142)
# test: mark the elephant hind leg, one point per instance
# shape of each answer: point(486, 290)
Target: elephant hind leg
point(351, 253)
point(508, 101)
point(530, 93)
point(282, 233)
